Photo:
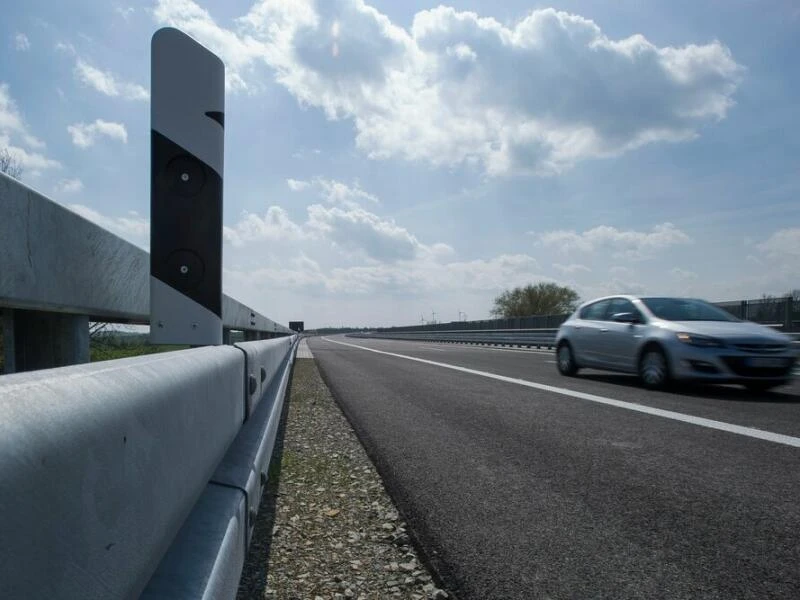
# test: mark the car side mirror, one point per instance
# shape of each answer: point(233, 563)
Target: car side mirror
point(625, 317)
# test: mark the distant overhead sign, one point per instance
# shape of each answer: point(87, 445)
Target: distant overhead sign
point(296, 326)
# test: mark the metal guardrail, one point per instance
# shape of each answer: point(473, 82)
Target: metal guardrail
point(531, 338)
point(527, 338)
point(137, 476)
point(783, 313)
point(54, 260)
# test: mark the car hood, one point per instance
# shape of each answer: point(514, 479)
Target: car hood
point(727, 329)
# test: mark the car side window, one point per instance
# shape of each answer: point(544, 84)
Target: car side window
point(623, 305)
point(596, 311)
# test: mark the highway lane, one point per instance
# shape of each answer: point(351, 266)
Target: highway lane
point(516, 492)
point(777, 411)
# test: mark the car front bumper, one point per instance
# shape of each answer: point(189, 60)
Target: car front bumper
point(729, 365)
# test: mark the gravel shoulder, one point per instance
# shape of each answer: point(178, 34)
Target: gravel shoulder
point(327, 528)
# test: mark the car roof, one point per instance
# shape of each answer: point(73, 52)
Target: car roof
point(635, 297)
point(599, 298)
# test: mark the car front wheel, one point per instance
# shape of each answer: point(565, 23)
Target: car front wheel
point(566, 360)
point(653, 368)
point(760, 386)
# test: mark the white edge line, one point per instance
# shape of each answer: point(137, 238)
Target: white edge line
point(464, 345)
point(752, 432)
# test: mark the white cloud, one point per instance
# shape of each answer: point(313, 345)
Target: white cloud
point(85, 135)
point(125, 11)
point(15, 137)
point(69, 186)
point(106, 83)
point(275, 225)
point(66, 48)
point(683, 274)
point(11, 121)
point(416, 277)
point(238, 52)
point(335, 192)
point(458, 88)
point(610, 287)
point(357, 229)
point(132, 227)
point(343, 222)
point(571, 269)
point(635, 245)
point(32, 163)
point(618, 271)
point(784, 244)
point(21, 42)
point(297, 185)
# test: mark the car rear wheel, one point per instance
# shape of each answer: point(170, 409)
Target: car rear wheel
point(565, 360)
point(653, 368)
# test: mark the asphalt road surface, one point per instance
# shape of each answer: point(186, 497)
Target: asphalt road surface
point(519, 483)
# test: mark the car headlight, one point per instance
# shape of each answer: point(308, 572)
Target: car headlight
point(699, 340)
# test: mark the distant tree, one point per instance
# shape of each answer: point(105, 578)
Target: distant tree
point(541, 298)
point(9, 165)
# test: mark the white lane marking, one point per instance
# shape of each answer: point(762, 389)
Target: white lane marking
point(464, 346)
point(303, 351)
point(752, 432)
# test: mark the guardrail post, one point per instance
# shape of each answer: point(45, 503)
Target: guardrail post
point(787, 315)
point(43, 340)
point(226, 336)
point(8, 341)
point(250, 335)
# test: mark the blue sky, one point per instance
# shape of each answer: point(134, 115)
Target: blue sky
point(389, 159)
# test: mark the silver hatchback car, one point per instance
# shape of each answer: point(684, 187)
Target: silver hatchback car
point(666, 339)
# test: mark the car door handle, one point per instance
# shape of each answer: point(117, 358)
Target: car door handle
point(603, 330)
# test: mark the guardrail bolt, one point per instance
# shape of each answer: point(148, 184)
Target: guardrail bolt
point(194, 325)
point(252, 384)
point(263, 374)
point(263, 479)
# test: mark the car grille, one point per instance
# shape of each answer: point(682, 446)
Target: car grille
point(740, 366)
point(760, 347)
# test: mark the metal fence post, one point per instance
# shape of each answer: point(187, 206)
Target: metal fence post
point(43, 340)
point(787, 314)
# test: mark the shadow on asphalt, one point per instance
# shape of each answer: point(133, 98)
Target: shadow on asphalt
point(787, 394)
point(253, 583)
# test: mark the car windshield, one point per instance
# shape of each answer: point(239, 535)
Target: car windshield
point(684, 309)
